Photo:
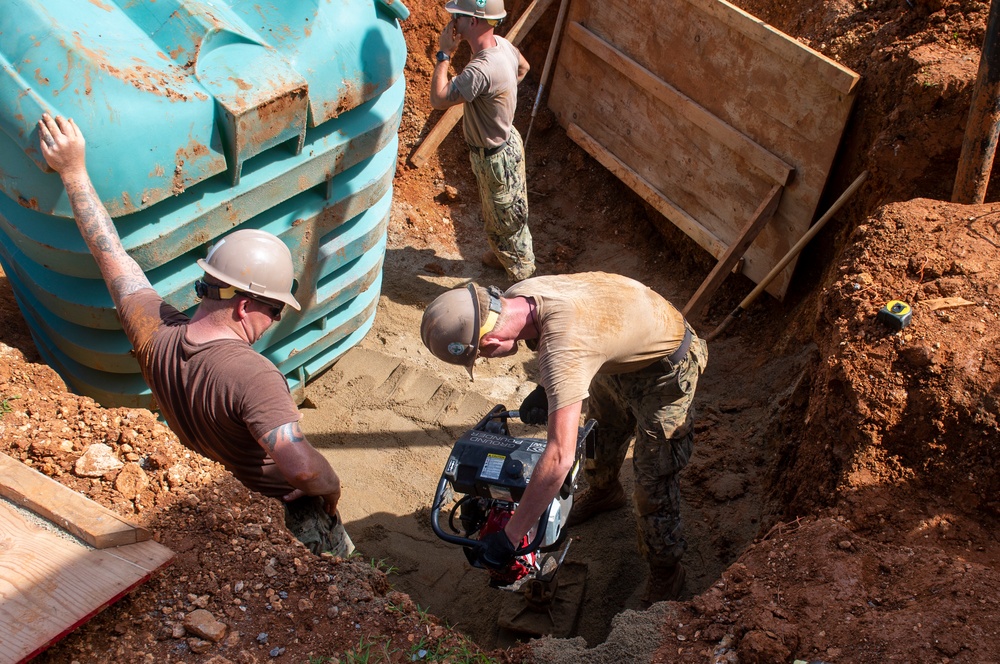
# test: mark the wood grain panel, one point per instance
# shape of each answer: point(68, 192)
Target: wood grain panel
point(660, 86)
point(49, 584)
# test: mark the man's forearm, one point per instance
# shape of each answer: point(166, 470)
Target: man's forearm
point(300, 463)
point(440, 87)
point(551, 471)
point(320, 480)
point(121, 273)
point(545, 482)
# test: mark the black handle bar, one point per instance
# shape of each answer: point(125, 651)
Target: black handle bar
point(543, 523)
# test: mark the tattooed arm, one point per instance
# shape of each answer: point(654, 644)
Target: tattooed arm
point(64, 150)
point(302, 465)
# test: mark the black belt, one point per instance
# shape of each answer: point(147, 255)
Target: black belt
point(488, 152)
point(682, 350)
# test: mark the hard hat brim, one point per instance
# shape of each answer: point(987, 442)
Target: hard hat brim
point(476, 325)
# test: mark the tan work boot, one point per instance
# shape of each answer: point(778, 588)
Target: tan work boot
point(594, 501)
point(664, 583)
point(490, 260)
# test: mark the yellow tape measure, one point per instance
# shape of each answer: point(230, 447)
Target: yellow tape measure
point(896, 314)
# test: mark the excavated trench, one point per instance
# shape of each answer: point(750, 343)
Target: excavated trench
point(387, 415)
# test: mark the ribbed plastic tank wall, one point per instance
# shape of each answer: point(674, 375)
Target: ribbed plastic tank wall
point(200, 118)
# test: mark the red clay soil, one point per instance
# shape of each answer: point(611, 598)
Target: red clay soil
point(875, 536)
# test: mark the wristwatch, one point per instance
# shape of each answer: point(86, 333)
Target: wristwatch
point(442, 56)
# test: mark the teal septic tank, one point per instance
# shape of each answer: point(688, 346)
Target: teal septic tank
point(200, 117)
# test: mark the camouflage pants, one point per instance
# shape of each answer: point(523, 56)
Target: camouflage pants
point(504, 197)
point(320, 532)
point(655, 405)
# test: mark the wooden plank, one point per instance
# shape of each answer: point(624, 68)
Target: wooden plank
point(780, 95)
point(49, 584)
point(147, 556)
point(88, 520)
point(697, 173)
point(700, 56)
point(757, 221)
point(436, 135)
point(799, 55)
point(451, 116)
point(649, 193)
point(776, 169)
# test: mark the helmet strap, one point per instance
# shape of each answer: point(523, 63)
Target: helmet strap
point(494, 313)
point(209, 291)
point(488, 324)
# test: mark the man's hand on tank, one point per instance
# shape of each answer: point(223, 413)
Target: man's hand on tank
point(62, 144)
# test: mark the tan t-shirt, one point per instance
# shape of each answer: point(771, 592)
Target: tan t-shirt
point(218, 397)
point(593, 323)
point(488, 84)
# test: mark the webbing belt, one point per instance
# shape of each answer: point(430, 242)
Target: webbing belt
point(683, 349)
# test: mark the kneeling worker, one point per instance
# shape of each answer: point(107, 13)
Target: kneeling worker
point(222, 398)
point(611, 339)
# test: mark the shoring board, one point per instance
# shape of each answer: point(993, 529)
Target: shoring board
point(649, 193)
point(693, 309)
point(754, 154)
point(780, 95)
point(93, 523)
point(50, 585)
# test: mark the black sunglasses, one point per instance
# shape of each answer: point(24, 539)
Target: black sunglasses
point(273, 310)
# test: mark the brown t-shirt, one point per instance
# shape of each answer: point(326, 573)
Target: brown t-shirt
point(488, 84)
point(592, 323)
point(218, 397)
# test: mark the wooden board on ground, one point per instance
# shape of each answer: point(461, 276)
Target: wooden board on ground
point(51, 583)
point(708, 108)
point(94, 524)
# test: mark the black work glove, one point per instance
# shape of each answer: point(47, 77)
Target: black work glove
point(535, 407)
point(495, 551)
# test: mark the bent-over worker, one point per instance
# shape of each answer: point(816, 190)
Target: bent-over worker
point(610, 339)
point(222, 398)
point(487, 86)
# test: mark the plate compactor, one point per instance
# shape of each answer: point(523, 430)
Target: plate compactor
point(485, 478)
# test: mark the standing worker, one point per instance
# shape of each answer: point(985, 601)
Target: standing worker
point(611, 339)
point(488, 88)
point(221, 397)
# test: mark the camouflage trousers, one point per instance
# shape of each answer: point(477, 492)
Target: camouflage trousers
point(320, 532)
point(655, 405)
point(504, 197)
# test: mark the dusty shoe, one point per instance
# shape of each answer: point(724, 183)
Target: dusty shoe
point(490, 260)
point(594, 501)
point(665, 583)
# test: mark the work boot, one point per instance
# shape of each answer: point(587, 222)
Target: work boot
point(490, 260)
point(664, 583)
point(594, 501)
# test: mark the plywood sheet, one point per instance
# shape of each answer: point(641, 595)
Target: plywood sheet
point(51, 583)
point(710, 108)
